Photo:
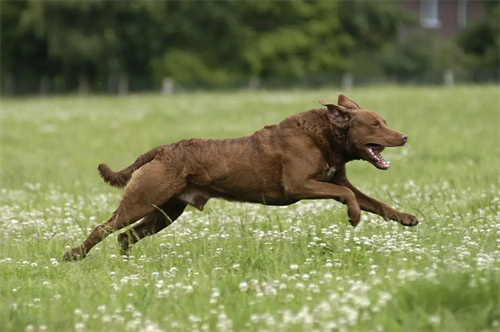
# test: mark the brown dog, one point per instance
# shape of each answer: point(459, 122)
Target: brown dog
point(303, 157)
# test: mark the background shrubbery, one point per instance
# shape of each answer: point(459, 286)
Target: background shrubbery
point(91, 44)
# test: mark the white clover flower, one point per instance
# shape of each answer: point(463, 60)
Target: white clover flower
point(243, 286)
point(434, 320)
point(299, 286)
point(79, 327)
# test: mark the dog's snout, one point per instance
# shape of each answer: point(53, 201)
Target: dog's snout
point(404, 137)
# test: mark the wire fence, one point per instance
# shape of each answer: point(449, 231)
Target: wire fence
point(125, 84)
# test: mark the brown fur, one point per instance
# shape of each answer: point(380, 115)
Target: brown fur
point(303, 157)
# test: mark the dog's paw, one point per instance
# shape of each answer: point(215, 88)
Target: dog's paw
point(74, 254)
point(354, 218)
point(408, 220)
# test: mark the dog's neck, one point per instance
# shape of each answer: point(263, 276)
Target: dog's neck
point(339, 144)
point(332, 140)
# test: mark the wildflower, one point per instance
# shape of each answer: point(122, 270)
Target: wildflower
point(243, 286)
point(300, 286)
point(434, 320)
point(79, 327)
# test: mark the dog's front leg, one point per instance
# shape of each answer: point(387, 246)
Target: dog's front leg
point(372, 205)
point(321, 190)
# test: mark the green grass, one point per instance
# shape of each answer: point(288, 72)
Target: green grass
point(244, 267)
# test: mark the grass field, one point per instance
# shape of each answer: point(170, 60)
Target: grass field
point(243, 267)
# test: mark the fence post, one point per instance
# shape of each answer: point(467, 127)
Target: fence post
point(9, 85)
point(44, 86)
point(113, 79)
point(83, 85)
point(347, 81)
point(167, 86)
point(448, 78)
point(123, 85)
point(254, 83)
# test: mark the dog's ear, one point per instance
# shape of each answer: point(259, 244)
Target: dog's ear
point(338, 115)
point(347, 103)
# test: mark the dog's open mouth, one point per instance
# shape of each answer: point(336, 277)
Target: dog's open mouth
point(373, 150)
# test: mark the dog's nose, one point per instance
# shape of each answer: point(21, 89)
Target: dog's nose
point(405, 138)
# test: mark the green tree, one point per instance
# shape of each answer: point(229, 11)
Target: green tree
point(223, 40)
point(24, 56)
point(92, 40)
point(210, 42)
point(374, 27)
point(481, 41)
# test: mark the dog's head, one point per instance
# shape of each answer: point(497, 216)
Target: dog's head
point(366, 131)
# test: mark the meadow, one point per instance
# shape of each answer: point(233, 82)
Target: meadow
point(243, 267)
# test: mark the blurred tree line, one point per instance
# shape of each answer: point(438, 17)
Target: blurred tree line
point(94, 45)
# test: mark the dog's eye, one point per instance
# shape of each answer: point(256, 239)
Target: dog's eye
point(375, 124)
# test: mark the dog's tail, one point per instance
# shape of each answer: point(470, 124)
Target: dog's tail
point(121, 178)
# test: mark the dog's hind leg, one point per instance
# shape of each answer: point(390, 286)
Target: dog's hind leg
point(150, 186)
point(151, 224)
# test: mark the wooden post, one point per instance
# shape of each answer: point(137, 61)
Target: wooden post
point(254, 83)
point(113, 75)
point(9, 85)
point(83, 85)
point(123, 85)
point(44, 86)
point(347, 81)
point(448, 78)
point(167, 86)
